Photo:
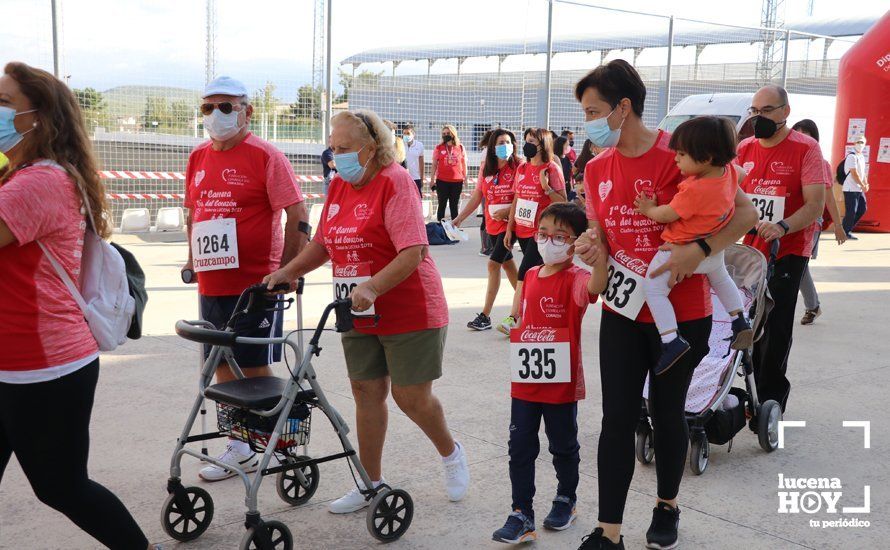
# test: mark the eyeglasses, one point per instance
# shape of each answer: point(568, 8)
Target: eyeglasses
point(558, 240)
point(765, 111)
point(225, 107)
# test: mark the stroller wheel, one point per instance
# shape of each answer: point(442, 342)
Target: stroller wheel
point(276, 534)
point(291, 488)
point(390, 514)
point(645, 446)
point(768, 417)
point(187, 516)
point(698, 458)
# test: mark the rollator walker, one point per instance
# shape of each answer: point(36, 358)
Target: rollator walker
point(273, 416)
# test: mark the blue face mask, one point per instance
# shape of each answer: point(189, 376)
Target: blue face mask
point(599, 132)
point(408, 138)
point(504, 151)
point(9, 136)
point(348, 166)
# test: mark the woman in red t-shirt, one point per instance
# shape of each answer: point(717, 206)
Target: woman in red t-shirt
point(638, 160)
point(50, 363)
point(449, 171)
point(539, 182)
point(496, 180)
point(372, 231)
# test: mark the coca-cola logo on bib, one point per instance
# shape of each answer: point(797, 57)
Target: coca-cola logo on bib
point(538, 335)
point(333, 210)
point(636, 265)
point(345, 271)
point(604, 188)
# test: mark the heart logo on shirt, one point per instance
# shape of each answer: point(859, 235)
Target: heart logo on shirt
point(199, 177)
point(544, 301)
point(644, 187)
point(748, 166)
point(604, 188)
point(332, 210)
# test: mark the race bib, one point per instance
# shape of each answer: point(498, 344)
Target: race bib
point(770, 207)
point(349, 276)
point(492, 208)
point(526, 212)
point(214, 245)
point(624, 291)
point(540, 356)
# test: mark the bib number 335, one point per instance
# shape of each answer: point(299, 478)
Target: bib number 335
point(540, 356)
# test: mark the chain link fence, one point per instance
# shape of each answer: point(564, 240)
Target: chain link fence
point(144, 128)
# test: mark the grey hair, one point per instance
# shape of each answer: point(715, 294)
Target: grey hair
point(370, 128)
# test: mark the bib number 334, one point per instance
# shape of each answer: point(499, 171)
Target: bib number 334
point(540, 356)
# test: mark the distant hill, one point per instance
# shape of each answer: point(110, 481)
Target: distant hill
point(130, 100)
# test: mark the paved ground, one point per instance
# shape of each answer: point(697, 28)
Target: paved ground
point(839, 370)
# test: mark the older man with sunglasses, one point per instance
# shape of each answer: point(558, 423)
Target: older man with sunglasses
point(237, 187)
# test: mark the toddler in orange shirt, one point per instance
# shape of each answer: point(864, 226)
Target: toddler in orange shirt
point(703, 205)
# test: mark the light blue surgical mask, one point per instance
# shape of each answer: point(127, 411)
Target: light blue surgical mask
point(504, 151)
point(600, 134)
point(408, 138)
point(348, 166)
point(9, 136)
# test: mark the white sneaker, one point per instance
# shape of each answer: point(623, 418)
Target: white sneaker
point(457, 475)
point(352, 501)
point(236, 455)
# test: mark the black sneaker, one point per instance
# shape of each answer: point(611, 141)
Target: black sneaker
point(851, 237)
point(742, 333)
point(598, 541)
point(670, 354)
point(561, 515)
point(481, 322)
point(662, 533)
point(518, 529)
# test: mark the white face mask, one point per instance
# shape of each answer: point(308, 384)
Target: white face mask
point(221, 126)
point(859, 147)
point(554, 253)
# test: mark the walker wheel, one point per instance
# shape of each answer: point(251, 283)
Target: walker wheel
point(187, 517)
point(390, 514)
point(294, 490)
point(645, 445)
point(276, 534)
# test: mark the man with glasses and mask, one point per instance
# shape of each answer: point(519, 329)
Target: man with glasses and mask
point(237, 187)
point(786, 183)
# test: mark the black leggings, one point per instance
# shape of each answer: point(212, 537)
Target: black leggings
point(628, 350)
point(530, 256)
point(448, 192)
point(47, 426)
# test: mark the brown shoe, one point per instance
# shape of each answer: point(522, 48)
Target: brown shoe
point(810, 315)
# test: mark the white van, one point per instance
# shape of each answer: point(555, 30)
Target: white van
point(734, 106)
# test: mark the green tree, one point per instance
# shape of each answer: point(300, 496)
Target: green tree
point(347, 81)
point(181, 115)
point(308, 105)
point(264, 100)
point(156, 116)
point(93, 106)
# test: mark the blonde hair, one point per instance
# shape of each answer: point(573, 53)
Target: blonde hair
point(399, 144)
point(370, 129)
point(453, 131)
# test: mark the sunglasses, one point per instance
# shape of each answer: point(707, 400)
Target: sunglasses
point(225, 107)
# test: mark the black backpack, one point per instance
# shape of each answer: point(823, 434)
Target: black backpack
point(839, 173)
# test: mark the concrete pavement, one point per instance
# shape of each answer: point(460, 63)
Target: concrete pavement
point(839, 371)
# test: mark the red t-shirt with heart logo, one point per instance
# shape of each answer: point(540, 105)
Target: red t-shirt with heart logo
point(498, 193)
point(528, 187)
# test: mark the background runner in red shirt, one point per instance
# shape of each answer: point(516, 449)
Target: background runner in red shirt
point(449, 171)
point(786, 182)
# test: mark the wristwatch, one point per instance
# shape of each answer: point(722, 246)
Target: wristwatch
point(304, 227)
point(703, 244)
point(783, 225)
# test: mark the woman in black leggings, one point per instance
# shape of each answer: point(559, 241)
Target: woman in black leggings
point(449, 169)
point(639, 162)
point(50, 361)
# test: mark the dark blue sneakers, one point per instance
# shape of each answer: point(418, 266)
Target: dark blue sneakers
point(518, 529)
point(670, 354)
point(742, 334)
point(561, 515)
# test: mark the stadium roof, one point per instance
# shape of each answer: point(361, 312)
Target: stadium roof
point(685, 34)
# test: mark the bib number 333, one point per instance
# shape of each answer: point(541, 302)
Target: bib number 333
point(624, 290)
point(540, 356)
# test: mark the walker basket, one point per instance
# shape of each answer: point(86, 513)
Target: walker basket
point(256, 430)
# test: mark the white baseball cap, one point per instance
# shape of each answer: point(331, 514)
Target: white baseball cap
point(225, 85)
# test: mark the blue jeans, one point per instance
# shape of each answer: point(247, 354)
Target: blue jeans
point(561, 427)
point(855, 209)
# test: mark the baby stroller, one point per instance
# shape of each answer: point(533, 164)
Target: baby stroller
point(273, 416)
point(715, 410)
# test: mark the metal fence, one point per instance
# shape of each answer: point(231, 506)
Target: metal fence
point(144, 130)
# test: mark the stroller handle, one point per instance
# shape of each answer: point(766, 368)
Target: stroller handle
point(773, 247)
point(191, 330)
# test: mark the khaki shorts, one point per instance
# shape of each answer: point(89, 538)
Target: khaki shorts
point(408, 358)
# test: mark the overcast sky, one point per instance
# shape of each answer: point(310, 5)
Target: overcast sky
point(108, 43)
